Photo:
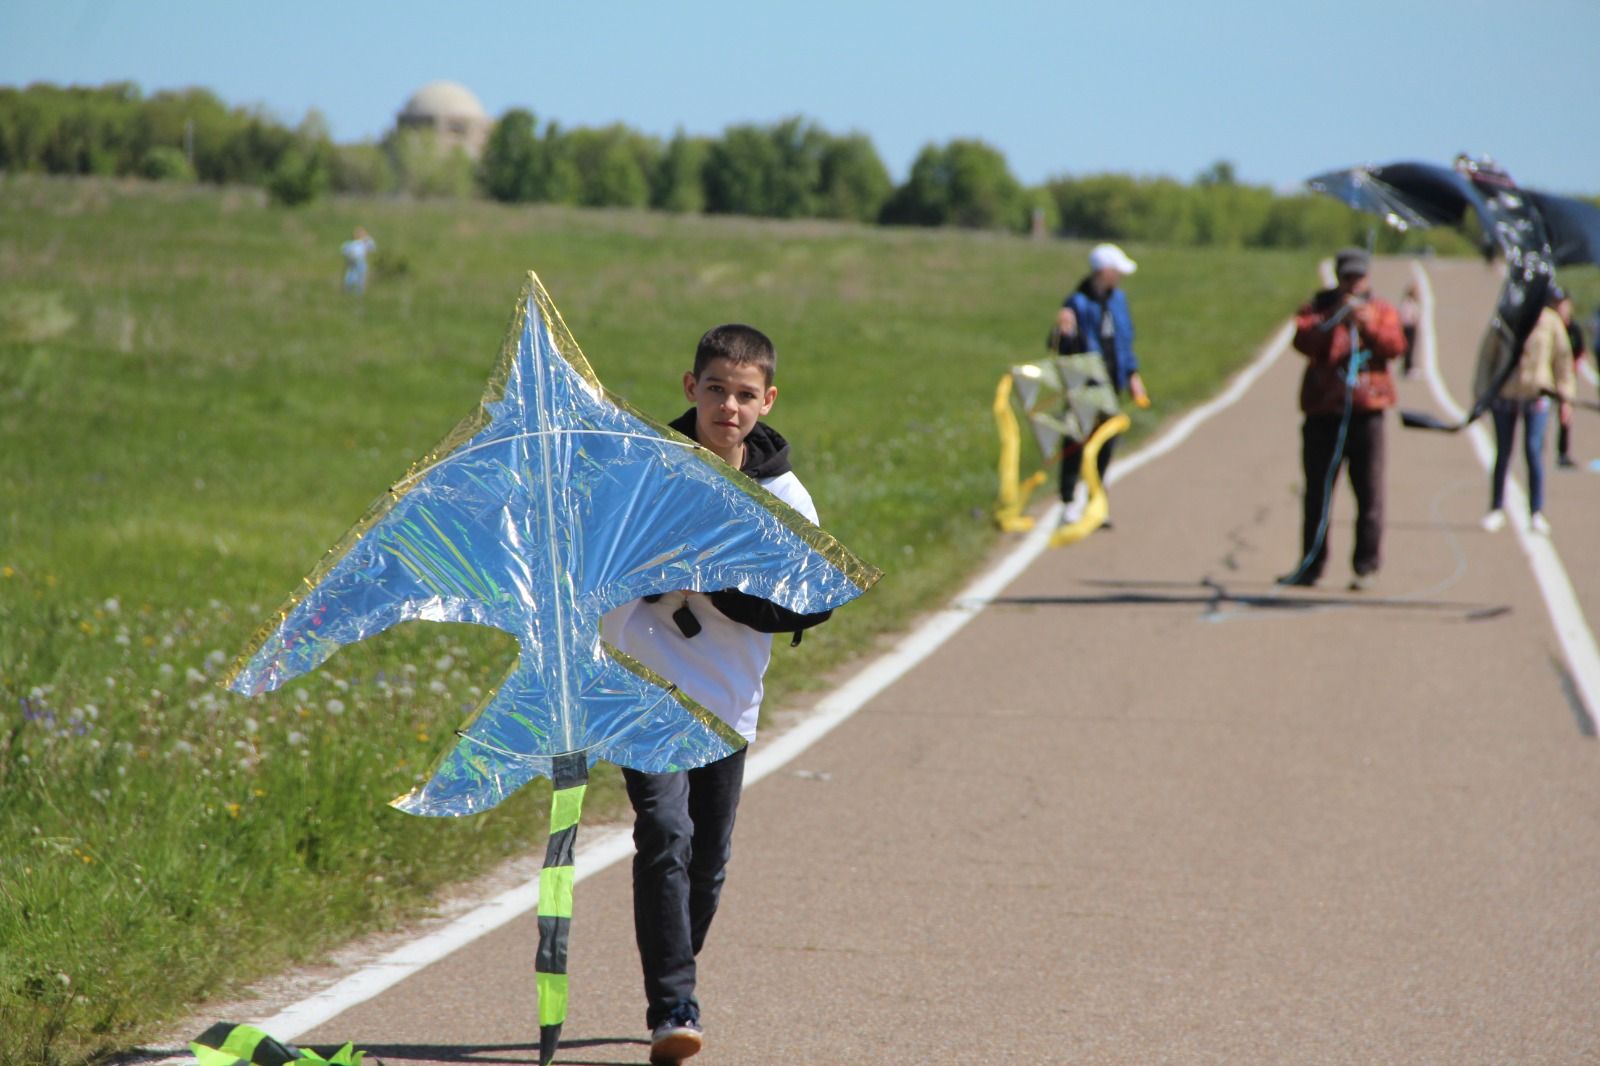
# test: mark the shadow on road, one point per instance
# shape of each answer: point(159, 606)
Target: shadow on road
point(1214, 597)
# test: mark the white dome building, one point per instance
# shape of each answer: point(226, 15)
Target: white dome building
point(452, 113)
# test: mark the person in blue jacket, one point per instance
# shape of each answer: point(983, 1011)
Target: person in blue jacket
point(1094, 318)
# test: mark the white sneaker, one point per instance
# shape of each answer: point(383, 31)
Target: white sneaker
point(1494, 521)
point(1072, 510)
point(1539, 524)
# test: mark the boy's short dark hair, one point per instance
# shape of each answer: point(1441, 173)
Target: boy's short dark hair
point(739, 344)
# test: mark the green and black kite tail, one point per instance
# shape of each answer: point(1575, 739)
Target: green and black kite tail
point(570, 776)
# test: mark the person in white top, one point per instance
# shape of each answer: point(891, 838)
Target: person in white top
point(715, 647)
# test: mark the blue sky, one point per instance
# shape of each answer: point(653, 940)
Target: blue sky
point(1282, 88)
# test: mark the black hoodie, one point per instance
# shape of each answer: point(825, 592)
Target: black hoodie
point(766, 455)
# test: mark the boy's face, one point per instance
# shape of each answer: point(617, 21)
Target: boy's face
point(729, 399)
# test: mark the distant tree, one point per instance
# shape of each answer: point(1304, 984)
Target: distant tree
point(966, 183)
point(424, 168)
point(739, 172)
point(560, 180)
point(362, 168)
point(612, 165)
point(854, 183)
point(678, 183)
point(510, 168)
point(1219, 173)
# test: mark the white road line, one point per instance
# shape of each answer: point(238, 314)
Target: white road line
point(612, 846)
point(1572, 629)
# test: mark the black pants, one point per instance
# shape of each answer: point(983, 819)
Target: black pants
point(1364, 458)
point(683, 836)
point(1072, 466)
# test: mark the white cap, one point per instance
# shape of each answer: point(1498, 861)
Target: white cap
point(1109, 255)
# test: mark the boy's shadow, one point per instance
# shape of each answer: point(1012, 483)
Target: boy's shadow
point(488, 1054)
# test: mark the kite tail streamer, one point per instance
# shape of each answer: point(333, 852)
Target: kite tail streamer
point(570, 774)
point(1098, 507)
point(1014, 493)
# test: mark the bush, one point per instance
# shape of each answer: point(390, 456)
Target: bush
point(162, 163)
point(299, 178)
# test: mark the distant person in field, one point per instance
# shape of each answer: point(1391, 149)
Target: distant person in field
point(1579, 350)
point(1094, 330)
point(1344, 407)
point(355, 252)
point(1545, 370)
point(1410, 316)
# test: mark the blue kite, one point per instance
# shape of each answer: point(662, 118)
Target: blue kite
point(550, 505)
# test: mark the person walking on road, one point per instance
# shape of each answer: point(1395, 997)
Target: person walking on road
point(1545, 370)
point(1348, 337)
point(1093, 335)
point(1579, 350)
point(715, 647)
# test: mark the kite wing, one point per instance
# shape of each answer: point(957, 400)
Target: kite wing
point(550, 505)
point(1574, 227)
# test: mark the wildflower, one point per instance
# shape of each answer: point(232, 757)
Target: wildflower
point(91, 711)
point(341, 684)
point(251, 725)
point(112, 605)
point(194, 677)
point(295, 738)
point(258, 792)
point(182, 747)
point(6, 571)
point(443, 663)
point(335, 706)
point(123, 639)
point(232, 809)
point(422, 736)
point(87, 627)
point(436, 686)
point(165, 670)
point(215, 658)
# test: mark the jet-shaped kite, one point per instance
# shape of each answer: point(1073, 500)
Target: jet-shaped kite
point(550, 505)
point(1535, 231)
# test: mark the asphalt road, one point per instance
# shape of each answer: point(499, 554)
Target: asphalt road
point(1148, 808)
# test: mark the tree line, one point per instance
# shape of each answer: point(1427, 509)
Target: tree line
point(787, 169)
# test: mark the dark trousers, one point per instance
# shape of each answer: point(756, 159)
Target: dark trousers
point(1072, 466)
point(1364, 458)
point(683, 836)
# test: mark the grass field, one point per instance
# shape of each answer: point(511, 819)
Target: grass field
point(191, 412)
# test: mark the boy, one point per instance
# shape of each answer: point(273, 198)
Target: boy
point(715, 647)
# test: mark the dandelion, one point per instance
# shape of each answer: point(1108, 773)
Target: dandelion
point(443, 663)
point(123, 639)
point(341, 684)
point(112, 605)
point(335, 706)
point(436, 686)
point(296, 738)
point(422, 736)
point(87, 627)
point(182, 747)
point(215, 658)
point(251, 726)
point(165, 670)
point(194, 677)
point(232, 809)
point(7, 571)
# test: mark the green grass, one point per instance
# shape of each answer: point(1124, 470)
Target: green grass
point(191, 412)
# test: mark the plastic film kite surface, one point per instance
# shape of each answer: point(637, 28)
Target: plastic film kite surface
point(549, 506)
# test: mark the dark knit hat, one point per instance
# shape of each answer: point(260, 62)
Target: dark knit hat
point(1351, 261)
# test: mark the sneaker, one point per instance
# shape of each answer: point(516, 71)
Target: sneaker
point(1363, 582)
point(1299, 581)
point(1565, 461)
point(1494, 521)
point(676, 1038)
point(1539, 524)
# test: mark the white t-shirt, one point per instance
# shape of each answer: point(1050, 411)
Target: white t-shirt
point(721, 668)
